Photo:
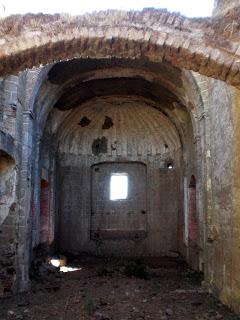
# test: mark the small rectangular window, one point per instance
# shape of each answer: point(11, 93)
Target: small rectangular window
point(119, 186)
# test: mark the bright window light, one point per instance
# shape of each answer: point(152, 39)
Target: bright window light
point(55, 262)
point(119, 186)
point(69, 269)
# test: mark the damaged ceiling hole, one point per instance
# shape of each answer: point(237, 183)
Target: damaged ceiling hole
point(84, 122)
point(108, 123)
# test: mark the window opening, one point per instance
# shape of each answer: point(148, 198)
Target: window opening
point(119, 186)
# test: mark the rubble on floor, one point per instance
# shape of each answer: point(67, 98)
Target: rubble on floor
point(109, 289)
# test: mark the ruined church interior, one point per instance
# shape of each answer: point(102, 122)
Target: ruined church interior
point(120, 161)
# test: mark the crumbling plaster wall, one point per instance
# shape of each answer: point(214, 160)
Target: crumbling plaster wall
point(17, 142)
point(235, 231)
point(9, 170)
point(221, 184)
point(194, 144)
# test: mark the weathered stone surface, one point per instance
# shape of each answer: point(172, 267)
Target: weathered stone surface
point(152, 34)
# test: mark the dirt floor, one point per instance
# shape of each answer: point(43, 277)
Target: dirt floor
point(120, 290)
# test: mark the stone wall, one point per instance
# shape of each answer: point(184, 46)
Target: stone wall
point(220, 189)
point(222, 227)
point(221, 7)
point(8, 183)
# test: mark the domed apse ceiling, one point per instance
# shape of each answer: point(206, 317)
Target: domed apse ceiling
point(117, 125)
point(84, 79)
point(160, 85)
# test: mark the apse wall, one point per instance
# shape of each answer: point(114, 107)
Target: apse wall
point(117, 134)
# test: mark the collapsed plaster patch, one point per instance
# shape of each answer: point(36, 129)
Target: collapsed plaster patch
point(84, 122)
point(108, 123)
point(99, 146)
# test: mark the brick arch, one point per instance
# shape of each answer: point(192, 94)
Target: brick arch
point(155, 35)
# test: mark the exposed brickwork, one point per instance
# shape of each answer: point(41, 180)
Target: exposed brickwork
point(153, 34)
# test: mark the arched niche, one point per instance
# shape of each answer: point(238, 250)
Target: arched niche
point(7, 221)
point(7, 184)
